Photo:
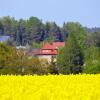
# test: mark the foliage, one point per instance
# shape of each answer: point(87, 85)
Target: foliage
point(53, 69)
point(37, 45)
point(72, 59)
point(78, 31)
point(92, 60)
point(81, 46)
point(28, 31)
point(60, 59)
point(7, 58)
point(12, 62)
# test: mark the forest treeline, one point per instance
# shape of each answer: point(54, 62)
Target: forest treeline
point(33, 30)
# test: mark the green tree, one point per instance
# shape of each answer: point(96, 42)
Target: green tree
point(72, 58)
point(9, 25)
point(12, 62)
point(34, 27)
point(64, 31)
point(92, 60)
point(78, 31)
point(1, 28)
point(21, 32)
point(60, 59)
point(7, 59)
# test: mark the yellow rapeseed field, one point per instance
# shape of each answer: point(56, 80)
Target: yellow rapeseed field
point(51, 87)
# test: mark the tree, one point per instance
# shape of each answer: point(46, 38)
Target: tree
point(35, 27)
point(21, 29)
point(64, 31)
point(96, 38)
point(53, 69)
point(12, 62)
point(72, 57)
point(78, 31)
point(60, 59)
point(1, 28)
point(92, 60)
point(26, 65)
point(52, 32)
point(9, 25)
point(7, 59)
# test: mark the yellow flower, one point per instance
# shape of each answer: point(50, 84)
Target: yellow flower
point(51, 87)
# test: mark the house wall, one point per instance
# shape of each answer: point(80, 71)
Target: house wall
point(47, 57)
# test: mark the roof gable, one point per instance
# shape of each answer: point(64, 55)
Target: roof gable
point(53, 45)
point(58, 44)
point(48, 46)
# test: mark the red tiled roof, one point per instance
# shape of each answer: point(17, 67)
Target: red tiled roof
point(50, 49)
point(58, 44)
point(53, 45)
point(48, 46)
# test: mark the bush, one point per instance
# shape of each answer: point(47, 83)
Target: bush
point(53, 69)
point(12, 62)
point(92, 60)
point(93, 69)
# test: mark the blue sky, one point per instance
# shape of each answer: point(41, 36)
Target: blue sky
point(87, 12)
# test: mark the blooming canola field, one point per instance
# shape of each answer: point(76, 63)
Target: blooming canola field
point(50, 87)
